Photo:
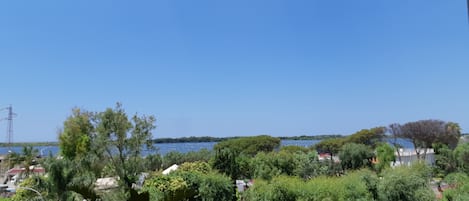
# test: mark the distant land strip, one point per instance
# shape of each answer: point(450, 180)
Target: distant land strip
point(191, 139)
point(34, 144)
point(218, 139)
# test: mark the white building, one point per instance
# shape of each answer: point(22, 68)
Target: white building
point(409, 156)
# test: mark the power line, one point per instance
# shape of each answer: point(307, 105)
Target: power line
point(9, 118)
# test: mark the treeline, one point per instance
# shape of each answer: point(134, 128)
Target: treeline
point(191, 139)
point(311, 137)
point(219, 139)
point(26, 144)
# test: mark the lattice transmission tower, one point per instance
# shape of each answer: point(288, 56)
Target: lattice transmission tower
point(9, 118)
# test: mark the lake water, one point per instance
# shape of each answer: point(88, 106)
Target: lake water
point(164, 148)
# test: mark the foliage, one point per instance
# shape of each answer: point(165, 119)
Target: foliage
point(449, 161)
point(459, 187)
point(122, 141)
point(370, 137)
point(172, 157)
point(195, 139)
point(75, 139)
point(406, 184)
point(191, 139)
point(355, 156)
point(349, 187)
point(189, 185)
point(461, 154)
point(250, 145)
point(265, 166)
point(227, 162)
point(215, 187)
point(170, 187)
point(385, 155)
point(331, 146)
point(425, 133)
point(445, 160)
point(310, 137)
point(292, 149)
point(198, 166)
point(65, 179)
point(153, 162)
point(309, 166)
point(36, 183)
point(175, 157)
point(26, 159)
point(231, 156)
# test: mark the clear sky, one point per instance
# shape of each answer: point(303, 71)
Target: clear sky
point(234, 68)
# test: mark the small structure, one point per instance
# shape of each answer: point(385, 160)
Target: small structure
point(17, 173)
point(106, 183)
point(327, 156)
point(33, 169)
point(242, 185)
point(170, 169)
point(409, 156)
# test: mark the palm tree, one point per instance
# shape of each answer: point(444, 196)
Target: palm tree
point(26, 160)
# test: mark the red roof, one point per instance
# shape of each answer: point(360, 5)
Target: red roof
point(15, 171)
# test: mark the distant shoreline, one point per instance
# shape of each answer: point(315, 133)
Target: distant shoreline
point(184, 140)
point(218, 139)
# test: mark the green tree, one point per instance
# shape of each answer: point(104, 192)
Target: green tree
point(250, 145)
point(331, 146)
point(425, 133)
point(445, 160)
point(230, 155)
point(226, 161)
point(461, 154)
point(190, 185)
point(75, 139)
point(355, 156)
point(460, 187)
point(27, 159)
point(36, 183)
point(265, 166)
point(385, 155)
point(292, 149)
point(122, 140)
point(370, 137)
point(153, 162)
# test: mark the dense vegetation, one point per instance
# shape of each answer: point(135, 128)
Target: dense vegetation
point(357, 167)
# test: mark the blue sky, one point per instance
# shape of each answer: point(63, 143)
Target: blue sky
point(233, 68)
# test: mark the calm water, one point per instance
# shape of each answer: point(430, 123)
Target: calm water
point(164, 147)
point(180, 147)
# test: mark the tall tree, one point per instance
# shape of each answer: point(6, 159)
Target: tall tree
point(27, 159)
point(122, 140)
point(395, 131)
point(355, 156)
point(75, 139)
point(425, 133)
point(370, 137)
point(331, 146)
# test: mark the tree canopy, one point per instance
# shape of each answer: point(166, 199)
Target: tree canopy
point(425, 133)
point(250, 145)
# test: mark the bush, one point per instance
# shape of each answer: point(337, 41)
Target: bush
point(459, 187)
point(349, 187)
point(406, 184)
point(190, 185)
point(355, 156)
